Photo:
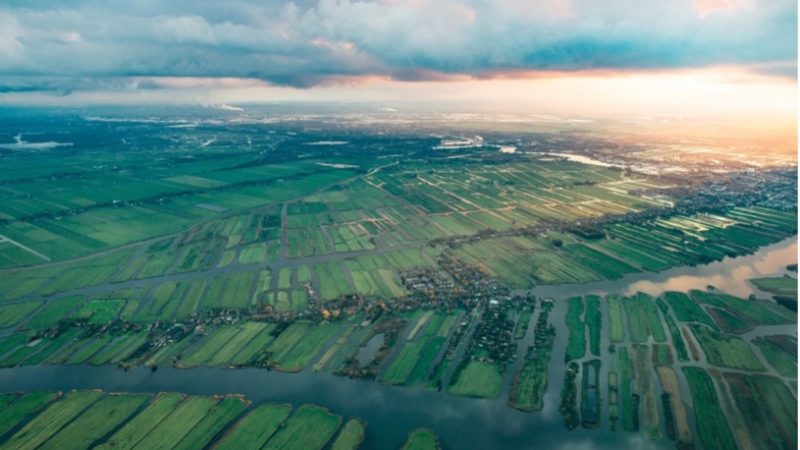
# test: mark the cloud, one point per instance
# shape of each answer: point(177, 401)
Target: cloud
point(85, 44)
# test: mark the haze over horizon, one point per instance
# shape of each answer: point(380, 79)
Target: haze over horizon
point(731, 63)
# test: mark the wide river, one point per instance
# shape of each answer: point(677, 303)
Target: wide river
point(730, 275)
point(391, 412)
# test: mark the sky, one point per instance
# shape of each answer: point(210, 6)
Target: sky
point(715, 58)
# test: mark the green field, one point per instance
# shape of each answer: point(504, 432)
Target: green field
point(208, 347)
point(97, 421)
point(421, 439)
point(675, 335)
point(477, 379)
point(47, 423)
point(301, 354)
point(784, 285)
point(297, 434)
point(350, 436)
point(92, 419)
point(616, 319)
point(577, 329)
point(726, 351)
point(755, 313)
point(234, 345)
point(687, 310)
point(21, 407)
point(630, 409)
point(768, 407)
point(594, 320)
point(11, 315)
point(423, 344)
point(144, 422)
point(170, 431)
point(780, 352)
point(216, 419)
point(643, 318)
point(255, 428)
point(712, 427)
point(530, 383)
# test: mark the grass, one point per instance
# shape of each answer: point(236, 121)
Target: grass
point(577, 329)
point(253, 254)
point(477, 379)
point(712, 427)
point(120, 348)
point(22, 407)
point(423, 343)
point(531, 385)
point(421, 439)
point(287, 339)
point(22, 352)
point(402, 366)
point(780, 352)
point(726, 351)
point(643, 318)
point(332, 283)
point(681, 430)
point(143, 423)
point(218, 416)
point(630, 410)
point(100, 312)
point(419, 375)
point(89, 348)
point(246, 333)
point(251, 349)
point(616, 320)
point(52, 419)
point(255, 428)
point(521, 325)
point(97, 421)
point(284, 278)
point(12, 314)
point(53, 346)
point(756, 312)
point(594, 320)
point(209, 347)
point(729, 322)
point(170, 431)
point(301, 354)
point(108, 209)
point(781, 407)
point(687, 310)
point(309, 428)
point(768, 409)
point(643, 385)
point(350, 437)
point(674, 332)
point(784, 285)
point(62, 354)
point(54, 311)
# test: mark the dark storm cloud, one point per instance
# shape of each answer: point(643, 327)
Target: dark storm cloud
point(67, 45)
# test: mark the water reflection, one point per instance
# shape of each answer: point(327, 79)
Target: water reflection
point(730, 275)
point(391, 412)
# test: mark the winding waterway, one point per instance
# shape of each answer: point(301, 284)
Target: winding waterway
point(730, 275)
point(391, 412)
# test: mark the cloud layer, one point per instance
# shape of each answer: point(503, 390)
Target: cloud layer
point(61, 46)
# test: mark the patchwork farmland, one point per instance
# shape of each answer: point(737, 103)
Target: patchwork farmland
point(354, 272)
